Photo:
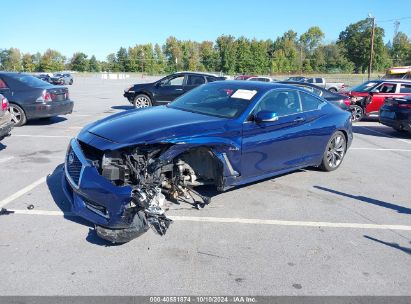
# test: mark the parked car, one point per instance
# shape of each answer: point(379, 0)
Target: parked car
point(32, 98)
point(44, 77)
point(402, 72)
point(5, 118)
point(296, 78)
point(339, 100)
point(368, 98)
point(223, 134)
point(62, 79)
point(243, 77)
point(320, 82)
point(260, 78)
point(396, 113)
point(166, 89)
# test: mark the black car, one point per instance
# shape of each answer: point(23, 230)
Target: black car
point(32, 98)
point(44, 77)
point(339, 100)
point(396, 113)
point(166, 89)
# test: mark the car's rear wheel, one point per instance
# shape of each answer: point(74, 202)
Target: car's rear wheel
point(357, 112)
point(18, 117)
point(142, 101)
point(333, 90)
point(71, 82)
point(334, 152)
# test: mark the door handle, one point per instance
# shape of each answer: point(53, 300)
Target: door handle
point(179, 89)
point(299, 119)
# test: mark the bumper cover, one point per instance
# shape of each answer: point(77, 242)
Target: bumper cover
point(129, 95)
point(92, 196)
point(49, 109)
point(5, 129)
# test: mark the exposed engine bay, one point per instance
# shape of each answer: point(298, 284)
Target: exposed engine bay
point(153, 176)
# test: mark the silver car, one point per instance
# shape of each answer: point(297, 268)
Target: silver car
point(6, 123)
point(62, 79)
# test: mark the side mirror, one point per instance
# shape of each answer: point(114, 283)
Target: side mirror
point(375, 91)
point(265, 116)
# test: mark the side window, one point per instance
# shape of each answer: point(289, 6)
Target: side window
point(405, 88)
point(176, 81)
point(2, 84)
point(388, 88)
point(195, 80)
point(281, 102)
point(309, 102)
point(310, 80)
point(318, 80)
point(211, 79)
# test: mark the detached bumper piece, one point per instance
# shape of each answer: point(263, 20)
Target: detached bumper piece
point(5, 130)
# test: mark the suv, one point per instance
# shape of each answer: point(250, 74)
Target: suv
point(368, 98)
point(166, 89)
point(5, 118)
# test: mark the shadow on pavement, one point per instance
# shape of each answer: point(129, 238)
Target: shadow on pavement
point(124, 108)
point(398, 208)
point(46, 121)
point(392, 245)
point(380, 131)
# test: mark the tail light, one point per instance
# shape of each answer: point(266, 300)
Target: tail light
point(347, 101)
point(4, 104)
point(45, 97)
point(404, 105)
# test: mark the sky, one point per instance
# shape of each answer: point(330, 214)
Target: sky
point(100, 27)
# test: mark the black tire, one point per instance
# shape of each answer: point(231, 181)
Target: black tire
point(334, 152)
point(71, 82)
point(357, 112)
point(18, 116)
point(400, 130)
point(142, 101)
point(333, 90)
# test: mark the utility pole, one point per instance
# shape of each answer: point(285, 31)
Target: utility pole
point(372, 46)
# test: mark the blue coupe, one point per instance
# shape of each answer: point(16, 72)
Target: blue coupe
point(119, 170)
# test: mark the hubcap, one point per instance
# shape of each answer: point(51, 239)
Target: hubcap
point(356, 113)
point(336, 151)
point(15, 115)
point(142, 102)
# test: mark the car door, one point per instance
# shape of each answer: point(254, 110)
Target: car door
point(193, 81)
point(170, 88)
point(377, 99)
point(273, 146)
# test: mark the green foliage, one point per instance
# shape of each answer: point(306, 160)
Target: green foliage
point(51, 61)
point(79, 62)
point(401, 49)
point(93, 65)
point(10, 60)
point(355, 41)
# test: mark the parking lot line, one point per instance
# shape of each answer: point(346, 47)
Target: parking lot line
point(23, 191)
point(382, 149)
point(381, 133)
point(42, 136)
point(243, 221)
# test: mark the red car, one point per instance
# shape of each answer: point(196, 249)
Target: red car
point(368, 98)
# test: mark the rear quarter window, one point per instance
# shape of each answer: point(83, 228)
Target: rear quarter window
point(405, 88)
point(309, 102)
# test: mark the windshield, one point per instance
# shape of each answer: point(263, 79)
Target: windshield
point(29, 80)
point(216, 99)
point(365, 87)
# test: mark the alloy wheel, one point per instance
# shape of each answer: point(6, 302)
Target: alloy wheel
point(142, 102)
point(356, 113)
point(15, 113)
point(336, 150)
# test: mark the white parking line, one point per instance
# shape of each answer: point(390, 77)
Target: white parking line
point(379, 149)
point(381, 133)
point(6, 159)
point(23, 191)
point(42, 136)
point(243, 221)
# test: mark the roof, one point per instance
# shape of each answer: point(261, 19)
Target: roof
point(198, 73)
point(255, 85)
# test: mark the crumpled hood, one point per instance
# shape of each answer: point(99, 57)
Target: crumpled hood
point(154, 124)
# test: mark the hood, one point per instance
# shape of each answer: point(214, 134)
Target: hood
point(155, 124)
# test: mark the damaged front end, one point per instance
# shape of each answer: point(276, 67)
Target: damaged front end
point(123, 192)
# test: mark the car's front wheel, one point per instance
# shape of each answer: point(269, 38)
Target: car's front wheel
point(334, 152)
point(18, 117)
point(357, 112)
point(142, 101)
point(333, 90)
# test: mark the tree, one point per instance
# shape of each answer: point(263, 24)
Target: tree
point(28, 63)
point(79, 62)
point(159, 60)
point(10, 60)
point(311, 39)
point(401, 49)
point(355, 42)
point(244, 57)
point(93, 64)
point(111, 65)
point(51, 61)
point(122, 59)
point(174, 54)
point(208, 56)
point(227, 52)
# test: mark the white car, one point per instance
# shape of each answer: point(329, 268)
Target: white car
point(263, 79)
